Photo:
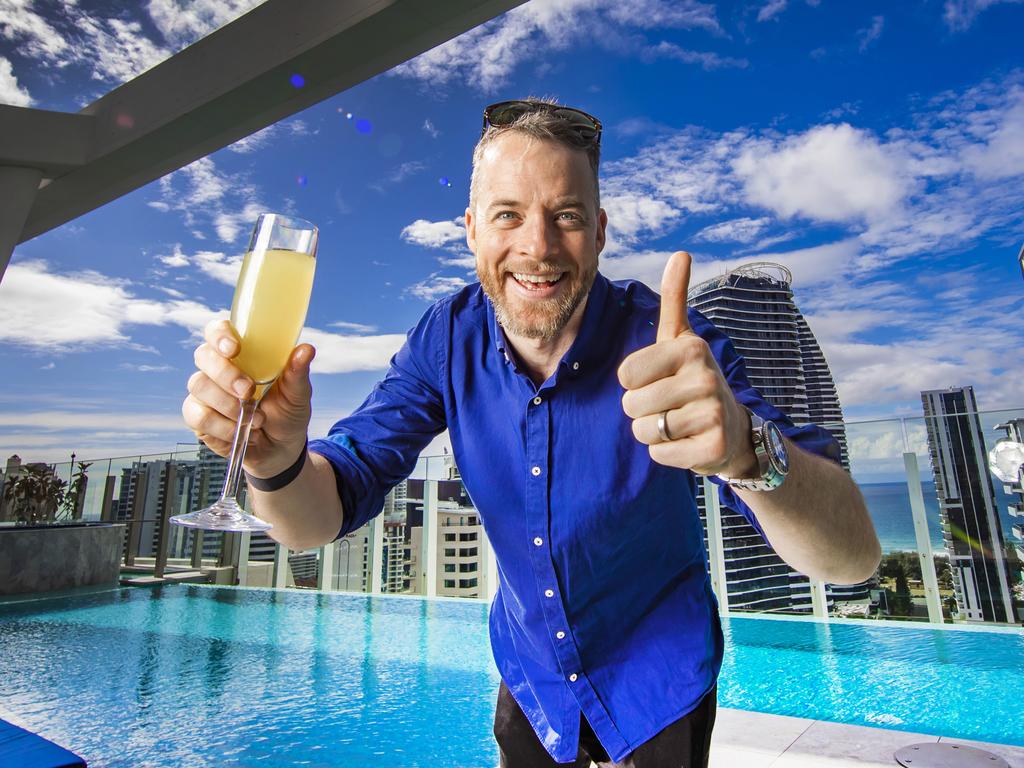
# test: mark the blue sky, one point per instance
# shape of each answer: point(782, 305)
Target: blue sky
point(877, 149)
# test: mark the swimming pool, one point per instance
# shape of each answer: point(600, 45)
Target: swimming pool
point(192, 675)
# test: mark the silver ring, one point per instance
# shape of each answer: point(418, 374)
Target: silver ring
point(663, 427)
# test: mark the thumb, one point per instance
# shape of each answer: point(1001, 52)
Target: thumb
point(675, 284)
point(294, 382)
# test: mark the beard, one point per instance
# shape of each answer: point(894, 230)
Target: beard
point(536, 319)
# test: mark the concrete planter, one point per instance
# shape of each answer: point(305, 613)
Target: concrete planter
point(56, 557)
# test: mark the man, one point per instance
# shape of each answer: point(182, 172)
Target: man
point(580, 411)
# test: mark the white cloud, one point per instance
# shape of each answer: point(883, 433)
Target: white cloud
point(959, 15)
point(486, 56)
point(632, 215)
point(18, 22)
point(354, 327)
point(868, 35)
point(70, 312)
point(435, 234)
point(771, 9)
point(428, 126)
point(828, 173)
point(398, 175)
point(10, 91)
point(343, 353)
point(254, 141)
point(176, 259)
point(144, 368)
point(708, 60)
point(435, 287)
point(219, 266)
point(741, 230)
point(183, 22)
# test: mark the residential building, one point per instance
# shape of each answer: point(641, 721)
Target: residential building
point(753, 305)
point(1014, 430)
point(970, 526)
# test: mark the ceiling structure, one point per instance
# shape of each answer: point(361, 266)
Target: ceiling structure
point(56, 166)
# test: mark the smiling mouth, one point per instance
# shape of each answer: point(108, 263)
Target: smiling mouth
point(537, 282)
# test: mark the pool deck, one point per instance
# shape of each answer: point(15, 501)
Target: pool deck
point(745, 739)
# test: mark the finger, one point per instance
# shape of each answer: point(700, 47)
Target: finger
point(226, 374)
point(691, 421)
point(220, 335)
point(204, 420)
point(670, 392)
point(209, 393)
point(701, 454)
point(675, 284)
point(294, 384)
point(657, 361)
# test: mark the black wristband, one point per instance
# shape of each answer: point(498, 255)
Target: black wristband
point(281, 479)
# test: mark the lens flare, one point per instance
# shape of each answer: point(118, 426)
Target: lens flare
point(444, 182)
point(363, 125)
point(297, 80)
point(301, 180)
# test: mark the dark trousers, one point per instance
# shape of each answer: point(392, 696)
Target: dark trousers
point(686, 743)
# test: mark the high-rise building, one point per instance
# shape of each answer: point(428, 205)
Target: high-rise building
point(753, 305)
point(970, 526)
point(141, 497)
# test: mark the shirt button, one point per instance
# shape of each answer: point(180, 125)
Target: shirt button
point(536, 401)
point(549, 593)
point(572, 678)
point(535, 471)
point(575, 366)
point(538, 541)
point(560, 635)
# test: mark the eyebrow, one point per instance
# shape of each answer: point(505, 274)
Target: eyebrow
point(562, 202)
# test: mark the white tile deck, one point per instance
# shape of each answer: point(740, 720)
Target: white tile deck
point(744, 739)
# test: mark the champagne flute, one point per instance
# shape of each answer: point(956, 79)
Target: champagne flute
point(267, 313)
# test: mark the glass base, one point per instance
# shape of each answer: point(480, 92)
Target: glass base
point(225, 515)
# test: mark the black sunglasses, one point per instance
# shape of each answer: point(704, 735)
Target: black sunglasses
point(505, 113)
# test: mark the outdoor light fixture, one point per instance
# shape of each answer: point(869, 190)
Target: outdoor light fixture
point(1006, 460)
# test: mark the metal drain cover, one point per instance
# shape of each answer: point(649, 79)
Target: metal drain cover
point(934, 755)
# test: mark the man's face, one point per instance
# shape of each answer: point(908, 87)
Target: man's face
point(535, 214)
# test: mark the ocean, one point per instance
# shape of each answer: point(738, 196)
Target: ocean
point(889, 506)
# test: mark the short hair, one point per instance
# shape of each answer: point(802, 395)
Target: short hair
point(544, 125)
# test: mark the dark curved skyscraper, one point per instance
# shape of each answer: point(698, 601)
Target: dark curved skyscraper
point(753, 305)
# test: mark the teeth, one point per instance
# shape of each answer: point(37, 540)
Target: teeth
point(535, 278)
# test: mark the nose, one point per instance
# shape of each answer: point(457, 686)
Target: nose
point(538, 237)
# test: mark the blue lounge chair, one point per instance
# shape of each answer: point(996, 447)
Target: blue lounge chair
point(23, 749)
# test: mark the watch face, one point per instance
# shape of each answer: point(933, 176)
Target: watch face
point(776, 448)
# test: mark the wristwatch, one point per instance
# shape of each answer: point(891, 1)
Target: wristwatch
point(772, 458)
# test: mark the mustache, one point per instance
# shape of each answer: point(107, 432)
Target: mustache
point(535, 269)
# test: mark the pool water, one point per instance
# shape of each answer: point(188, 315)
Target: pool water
point(195, 676)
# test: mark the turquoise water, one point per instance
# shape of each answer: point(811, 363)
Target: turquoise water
point(198, 676)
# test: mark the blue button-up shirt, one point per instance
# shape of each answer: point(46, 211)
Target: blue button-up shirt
point(604, 604)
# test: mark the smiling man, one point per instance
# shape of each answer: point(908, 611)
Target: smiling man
point(580, 412)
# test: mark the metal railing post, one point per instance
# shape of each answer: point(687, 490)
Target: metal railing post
point(430, 537)
point(325, 576)
point(242, 568)
point(163, 522)
point(716, 546)
point(924, 542)
point(280, 566)
point(376, 557)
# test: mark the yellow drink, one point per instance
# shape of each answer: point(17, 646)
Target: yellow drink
point(269, 308)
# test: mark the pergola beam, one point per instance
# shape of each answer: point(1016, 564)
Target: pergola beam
point(226, 86)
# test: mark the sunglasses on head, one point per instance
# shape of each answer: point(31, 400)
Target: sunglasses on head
point(505, 113)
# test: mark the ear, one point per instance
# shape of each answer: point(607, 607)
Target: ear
point(470, 230)
point(602, 226)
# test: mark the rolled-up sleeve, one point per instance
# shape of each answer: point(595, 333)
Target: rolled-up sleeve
point(809, 437)
point(376, 447)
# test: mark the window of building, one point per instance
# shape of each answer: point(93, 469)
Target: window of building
point(449, 552)
point(467, 582)
point(468, 552)
point(449, 567)
point(467, 567)
point(467, 537)
point(449, 537)
point(449, 583)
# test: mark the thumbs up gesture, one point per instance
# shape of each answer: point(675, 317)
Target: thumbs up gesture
point(677, 397)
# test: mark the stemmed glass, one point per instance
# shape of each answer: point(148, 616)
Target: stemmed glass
point(267, 313)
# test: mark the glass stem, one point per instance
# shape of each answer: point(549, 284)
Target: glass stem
point(238, 445)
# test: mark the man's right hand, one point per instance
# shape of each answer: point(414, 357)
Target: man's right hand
point(281, 423)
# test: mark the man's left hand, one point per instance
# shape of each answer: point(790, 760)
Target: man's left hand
point(709, 430)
